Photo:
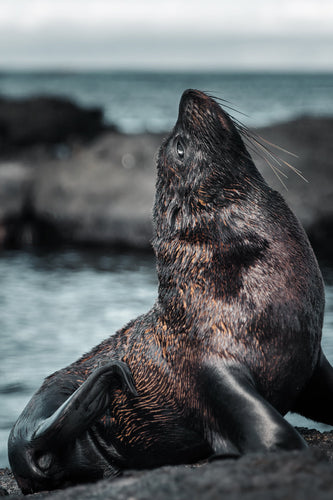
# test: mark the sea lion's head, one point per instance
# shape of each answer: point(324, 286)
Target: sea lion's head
point(203, 164)
point(202, 122)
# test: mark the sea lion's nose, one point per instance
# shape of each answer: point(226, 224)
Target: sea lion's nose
point(189, 96)
point(192, 105)
point(193, 93)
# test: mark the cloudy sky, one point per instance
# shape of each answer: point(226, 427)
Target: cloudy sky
point(168, 34)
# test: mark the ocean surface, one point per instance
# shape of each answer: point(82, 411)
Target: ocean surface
point(143, 101)
point(56, 306)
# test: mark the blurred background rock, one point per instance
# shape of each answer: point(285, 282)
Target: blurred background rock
point(67, 177)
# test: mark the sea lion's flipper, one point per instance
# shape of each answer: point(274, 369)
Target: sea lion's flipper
point(38, 440)
point(86, 404)
point(242, 415)
point(316, 401)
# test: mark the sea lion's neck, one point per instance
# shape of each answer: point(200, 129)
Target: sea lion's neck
point(182, 268)
point(188, 248)
point(201, 256)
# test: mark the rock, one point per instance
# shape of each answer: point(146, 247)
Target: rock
point(102, 193)
point(298, 475)
point(15, 185)
point(311, 140)
point(8, 484)
point(46, 120)
point(322, 441)
point(20, 226)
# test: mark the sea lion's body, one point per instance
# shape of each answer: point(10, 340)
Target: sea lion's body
point(231, 344)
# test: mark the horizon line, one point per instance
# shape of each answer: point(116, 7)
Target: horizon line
point(171, 70)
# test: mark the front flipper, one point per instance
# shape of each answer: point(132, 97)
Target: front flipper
point(86, 404)
point(241, 415)
point(45, 451)
point(316, 400)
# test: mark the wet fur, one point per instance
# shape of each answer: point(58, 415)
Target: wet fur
point(240, 295)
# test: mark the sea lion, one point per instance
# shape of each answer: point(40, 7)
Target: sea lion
point(231, 344)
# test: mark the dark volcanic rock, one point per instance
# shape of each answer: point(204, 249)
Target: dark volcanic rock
point(102, 193)
point(15, 184)
point(311, 140)
point(28, 121)
point(297, 475)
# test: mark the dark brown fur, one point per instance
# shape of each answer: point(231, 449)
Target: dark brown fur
point(240, 293)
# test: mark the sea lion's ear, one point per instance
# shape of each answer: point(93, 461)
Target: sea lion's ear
point(86, 404)
point(244, 418)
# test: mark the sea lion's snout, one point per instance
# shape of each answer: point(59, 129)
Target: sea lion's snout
point(191, 95)
point(198, 111)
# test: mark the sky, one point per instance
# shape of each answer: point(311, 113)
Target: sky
point(155, 34)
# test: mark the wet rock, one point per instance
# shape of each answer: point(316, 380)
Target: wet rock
point(310, 139)
point(298, 475)
point(102, 193)
point(15, 185)
point(32, 120)
point(8, 484)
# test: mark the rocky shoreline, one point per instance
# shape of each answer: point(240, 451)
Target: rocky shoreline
point(298, 475)
point(91, 185)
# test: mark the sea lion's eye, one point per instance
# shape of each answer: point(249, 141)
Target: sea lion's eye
point(180, 150)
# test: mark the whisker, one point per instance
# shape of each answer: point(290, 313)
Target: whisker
point(230, 107)
point(259, 145)
point(282, 162)
point(277, 175)
point(297, 171)
point(278, 147)
point(269, 153)
point(257, 140)
point(274, 168)
point(226, 104)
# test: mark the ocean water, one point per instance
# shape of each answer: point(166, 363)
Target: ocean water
point(146, 101)
point(56, 306)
